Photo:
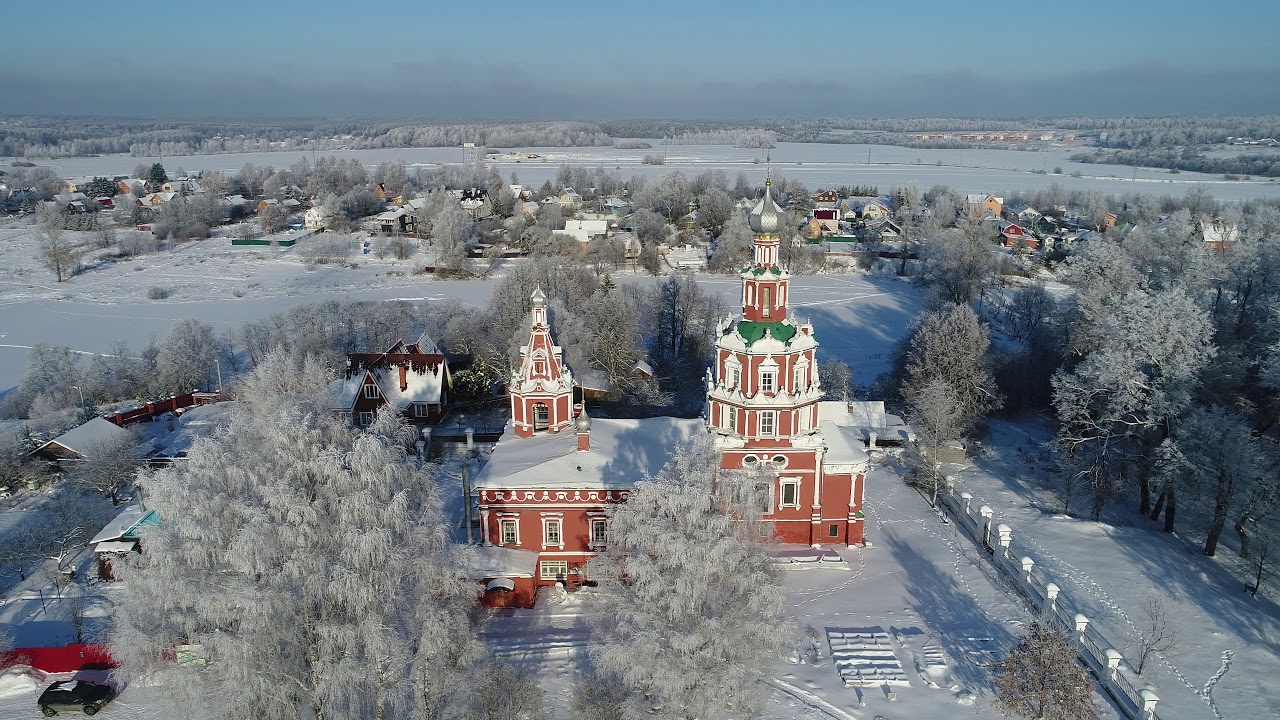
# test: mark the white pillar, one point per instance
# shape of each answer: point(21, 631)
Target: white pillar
point(1004, 536)
point(1027, 565)
point(1082, 624)
point(1113, 662)
point(968, 500)
point(1051, 595)
point(1149, 700)
point(471, 438)
point(986, 513)
point(871, 441)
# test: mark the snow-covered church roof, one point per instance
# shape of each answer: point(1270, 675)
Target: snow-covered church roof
point(623, 452)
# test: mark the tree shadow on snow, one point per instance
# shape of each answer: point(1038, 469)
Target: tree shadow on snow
point(1180, 568)
point(970, 636)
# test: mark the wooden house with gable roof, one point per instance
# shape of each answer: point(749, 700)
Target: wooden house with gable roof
point(412, 378)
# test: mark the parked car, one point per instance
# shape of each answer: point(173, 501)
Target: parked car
point(88, 697)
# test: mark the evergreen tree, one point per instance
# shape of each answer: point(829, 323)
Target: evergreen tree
point(157, 176)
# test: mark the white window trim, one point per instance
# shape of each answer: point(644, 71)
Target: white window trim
point(593, 541)
point(772, 385)
point(502, 531)
point(421, 410)
point(547, 522)
point(371, 392)
point(366, 418)
point(783, 483)
point(544, 564)
point(773, 423)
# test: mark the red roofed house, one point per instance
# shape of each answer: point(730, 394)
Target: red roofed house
point(412, 378)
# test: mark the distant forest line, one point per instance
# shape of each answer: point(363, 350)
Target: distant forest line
point(1162, 142)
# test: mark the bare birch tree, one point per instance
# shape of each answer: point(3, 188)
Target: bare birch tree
point(56, 251)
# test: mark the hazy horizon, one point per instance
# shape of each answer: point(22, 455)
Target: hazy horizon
point(673, 61)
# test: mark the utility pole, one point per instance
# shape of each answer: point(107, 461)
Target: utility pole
point(217, 364)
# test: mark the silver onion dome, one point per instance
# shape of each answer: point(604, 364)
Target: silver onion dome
point(766, 216)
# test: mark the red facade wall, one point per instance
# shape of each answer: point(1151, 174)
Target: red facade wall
point(522, 595)
point(67, 658)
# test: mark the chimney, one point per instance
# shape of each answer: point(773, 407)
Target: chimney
point(404, 381)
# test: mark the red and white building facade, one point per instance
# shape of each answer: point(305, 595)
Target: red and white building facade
point(543, 493)
point(764, 404)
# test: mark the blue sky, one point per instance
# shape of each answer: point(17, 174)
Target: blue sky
point(661, 58)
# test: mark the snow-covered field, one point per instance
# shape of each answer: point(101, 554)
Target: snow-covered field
point(225, 286)
point(816, 164)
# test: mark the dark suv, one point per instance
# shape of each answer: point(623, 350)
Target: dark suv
point(75, 695)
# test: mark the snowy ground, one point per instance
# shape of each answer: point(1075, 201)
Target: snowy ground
point(923, 586)
point(226, 286)
point(1227, 659)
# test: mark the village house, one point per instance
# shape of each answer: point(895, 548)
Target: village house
point(133, 186)
point(828, 220)
point(584, 231)
point(413, 379)
point(315, 218)
point(555, 471)
point(396, 221)
point(1218, 234)
point(982, 205)
point(79, 442)
point(569, 199)
point(120, 537)
point(826, 198)
point(476, 203)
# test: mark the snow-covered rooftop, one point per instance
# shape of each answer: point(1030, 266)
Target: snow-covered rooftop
point(83, 437)
point(401, 386)
point(199, 421)
point(490, 561)
point(128, 519)
point(623, 451)
point(865, 417)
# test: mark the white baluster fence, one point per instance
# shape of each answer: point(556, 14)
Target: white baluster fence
point(1137, 702)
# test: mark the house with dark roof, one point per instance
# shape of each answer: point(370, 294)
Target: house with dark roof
point(411, 378)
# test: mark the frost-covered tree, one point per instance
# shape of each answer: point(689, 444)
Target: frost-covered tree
point(695, 617)
point(1218, 456)
point(453, 234)
point(305, 565)
point(188, 359)
point(110, 466)
point(733, 248)
point(1042, 678)
point(937, 420)
point(56, 250)
point(959, 264)
point(1116, 407)
point(951, 344)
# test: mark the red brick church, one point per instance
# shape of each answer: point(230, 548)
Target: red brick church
point(543, 493)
